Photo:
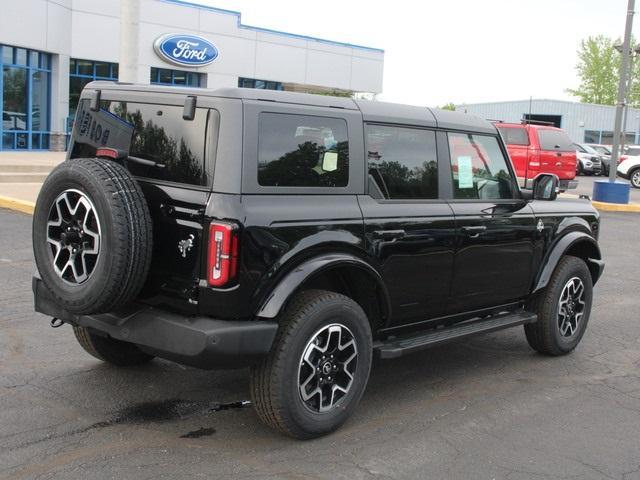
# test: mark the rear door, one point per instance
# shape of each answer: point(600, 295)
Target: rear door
point(517, 140)
point(168, 155)
point(557, 153)
point(409, 229)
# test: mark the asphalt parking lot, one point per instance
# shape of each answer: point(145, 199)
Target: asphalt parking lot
point(488, 408)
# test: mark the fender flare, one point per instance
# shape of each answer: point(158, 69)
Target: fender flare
point(594, 262)
point(270, 307)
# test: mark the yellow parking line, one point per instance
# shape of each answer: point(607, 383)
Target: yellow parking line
point(17, 204)
point(616, 207)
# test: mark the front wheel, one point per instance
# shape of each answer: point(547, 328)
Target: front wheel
point(563, 309)
point(318, 367)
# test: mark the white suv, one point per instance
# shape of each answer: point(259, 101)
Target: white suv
point(629, 168)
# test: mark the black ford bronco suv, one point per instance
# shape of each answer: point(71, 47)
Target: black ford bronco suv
point(300, 235)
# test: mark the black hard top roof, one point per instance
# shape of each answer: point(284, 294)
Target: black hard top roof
point(372, 111)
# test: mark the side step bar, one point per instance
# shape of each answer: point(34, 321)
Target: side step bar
point(398, 346)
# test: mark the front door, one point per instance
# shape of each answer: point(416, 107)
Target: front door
point(409, 231)
point(496, 228)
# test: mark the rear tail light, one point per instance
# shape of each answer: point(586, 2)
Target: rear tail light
point(222, 263)
point(622, 158)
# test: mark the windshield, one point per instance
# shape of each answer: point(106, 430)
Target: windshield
point(602, 149)
point(588, 149)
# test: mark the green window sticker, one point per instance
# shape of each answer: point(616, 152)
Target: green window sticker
point(465, 172)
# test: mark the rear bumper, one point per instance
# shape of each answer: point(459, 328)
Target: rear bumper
point(201, 342)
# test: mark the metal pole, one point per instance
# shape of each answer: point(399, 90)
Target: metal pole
point(623, 137)
point(622, 83)
point(129, 35)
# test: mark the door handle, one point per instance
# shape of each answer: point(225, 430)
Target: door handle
point(475, 230)
point(558, 154)
point(388, 234)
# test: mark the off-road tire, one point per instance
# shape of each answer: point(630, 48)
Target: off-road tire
point(274, 382)
point(116, 352)
point(126, 237)
point(544, 335)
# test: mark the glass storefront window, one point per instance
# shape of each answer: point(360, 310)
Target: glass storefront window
point(82, 72)
point(39, 100)
point(14, 98)
point(24, 100)
point(260, 84)
point(165, 76)
point(21, 56)
point(7, 54)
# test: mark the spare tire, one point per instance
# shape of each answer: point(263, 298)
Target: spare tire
point(92, 235)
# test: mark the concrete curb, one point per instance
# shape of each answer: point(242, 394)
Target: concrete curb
point(616, 207)
point(17, 204)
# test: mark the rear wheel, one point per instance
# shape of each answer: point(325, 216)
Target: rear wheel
point(116, 352)
point(318, 368)
point(563, 309)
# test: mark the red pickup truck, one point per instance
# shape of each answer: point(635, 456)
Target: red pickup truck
point(536, 149)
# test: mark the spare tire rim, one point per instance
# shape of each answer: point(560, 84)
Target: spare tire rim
point(73, 233)
point(571, 307)
point(327, 368)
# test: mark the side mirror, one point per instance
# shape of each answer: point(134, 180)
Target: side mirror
point(545, 187)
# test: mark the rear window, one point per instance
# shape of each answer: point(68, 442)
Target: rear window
point(161, 145)
point(555, 140)
point(514, 135)
point(302, 151)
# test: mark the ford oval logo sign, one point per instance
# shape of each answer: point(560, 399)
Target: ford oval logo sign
point(186, 50)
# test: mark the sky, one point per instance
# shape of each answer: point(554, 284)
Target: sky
point(460, 51)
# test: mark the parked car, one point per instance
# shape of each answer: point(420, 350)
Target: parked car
point(605, 155)
point(588, 160)
point(536, 149)
point(300, 235)
point(629, 168)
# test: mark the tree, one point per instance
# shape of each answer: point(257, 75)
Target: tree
point(598, 68)
point(448, 106)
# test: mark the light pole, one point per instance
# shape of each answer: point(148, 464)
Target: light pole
point(632, 56)
point(612, 191)
point(624, 64)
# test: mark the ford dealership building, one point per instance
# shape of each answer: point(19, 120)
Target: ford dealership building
point(50, 49)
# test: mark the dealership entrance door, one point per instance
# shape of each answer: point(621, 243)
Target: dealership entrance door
point(25, 101)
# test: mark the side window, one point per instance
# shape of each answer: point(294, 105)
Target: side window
point(514, 135)
point(160, 143)
point(402, 162)
point(479, 167)
point(555, 140)
point(302, 151)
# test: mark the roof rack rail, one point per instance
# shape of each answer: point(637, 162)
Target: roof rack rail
point(494, 120)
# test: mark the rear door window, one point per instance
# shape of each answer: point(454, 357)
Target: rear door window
point(514, 135)
point(402, 162)
point(161, 145)
point(555, 140)
point(302, 151)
